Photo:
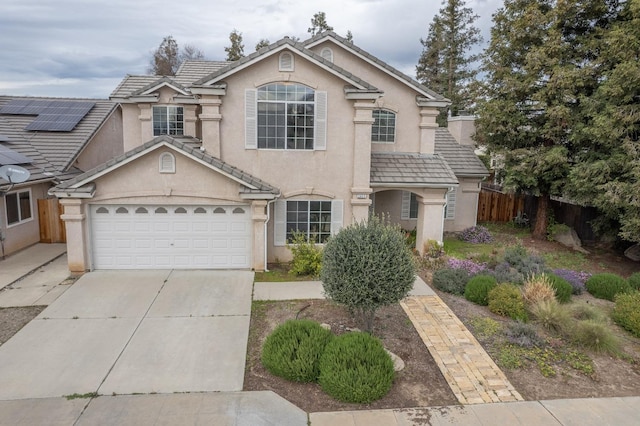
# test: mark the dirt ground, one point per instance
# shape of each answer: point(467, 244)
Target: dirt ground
point(420, 384)
point(13, 319)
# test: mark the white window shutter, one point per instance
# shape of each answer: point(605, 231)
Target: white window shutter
point(280, 223)
point(250, 119)
point(406, 205)
point(337, 207)
point(320, 142)
point(451, 204)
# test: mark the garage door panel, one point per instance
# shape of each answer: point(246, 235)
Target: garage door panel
point(145, 237)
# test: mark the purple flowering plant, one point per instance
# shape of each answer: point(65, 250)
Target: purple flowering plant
point(575, 278)
point(476, 235)
point(473, 268)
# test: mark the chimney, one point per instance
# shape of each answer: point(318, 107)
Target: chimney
point(462, 128)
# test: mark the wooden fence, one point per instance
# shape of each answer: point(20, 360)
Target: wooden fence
point(498, 207)
point(52, 228)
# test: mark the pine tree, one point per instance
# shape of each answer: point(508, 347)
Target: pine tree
point(446, 64)
point(262, 43)
point(319, 24)
point(236, 50)
point(537, 71)
point(165, 59)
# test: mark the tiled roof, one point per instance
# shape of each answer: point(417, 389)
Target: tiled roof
point(187, 144)
point(132, 83)
point(381, 64)
point(410, 169)
point(191, 71)
point(461, 158)
point(297, 46)
point(52, 152)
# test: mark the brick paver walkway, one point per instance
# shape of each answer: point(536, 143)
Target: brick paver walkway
point(472, 375)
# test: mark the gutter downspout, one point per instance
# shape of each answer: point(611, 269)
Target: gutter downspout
point(266, 223)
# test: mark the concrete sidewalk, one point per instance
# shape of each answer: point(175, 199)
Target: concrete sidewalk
point(20, 264)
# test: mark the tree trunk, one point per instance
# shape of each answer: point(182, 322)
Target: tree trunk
point(540, 227)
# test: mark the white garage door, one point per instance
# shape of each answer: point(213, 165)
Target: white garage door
point(167, 237)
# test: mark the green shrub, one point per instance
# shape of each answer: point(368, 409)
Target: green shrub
point(562, 288)
point(307, 256)
point(506, 300)
point(522, 334)
point(505, 273)
point(606, 286)
point(552, 316)
point(356, 368)
point(595, 336)
point(451, 280)
point(634, 281)
point(478, 288)
point(525, 263)
point(365, 266)
point(587, 311)
point(293, 350)
point(626, 312)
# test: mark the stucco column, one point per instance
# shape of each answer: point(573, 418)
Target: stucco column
point(74, 221)
point(259, 218)
point(360, 190)
point(210, 119)
point(190, 119)
point(146, 126)
point(430, 224)
point(428, 127)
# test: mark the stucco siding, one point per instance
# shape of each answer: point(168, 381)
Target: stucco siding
point(105, 145)
point(27, 233)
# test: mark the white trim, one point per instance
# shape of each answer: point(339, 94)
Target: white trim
point(20, 220)
point(161, 85)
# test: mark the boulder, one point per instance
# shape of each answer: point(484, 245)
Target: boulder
point(633, 252)
point(569, 238)
point(398, 363)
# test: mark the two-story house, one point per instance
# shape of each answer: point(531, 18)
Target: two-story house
point(224, 161)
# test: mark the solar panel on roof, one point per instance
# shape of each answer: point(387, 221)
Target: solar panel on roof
point(53, 115)
point(10, 157)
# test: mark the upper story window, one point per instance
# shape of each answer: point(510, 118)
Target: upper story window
point(384, 126)
point(286, 116)
point(18, 207)
point(168, 120)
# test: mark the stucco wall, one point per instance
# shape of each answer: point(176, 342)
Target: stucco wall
point(466, 205)
point(27, 233)
point(105, 145)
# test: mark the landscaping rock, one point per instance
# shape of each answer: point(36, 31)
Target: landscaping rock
point(633, 252)
point(398, 363)
point(326, 326)
point(570, 239)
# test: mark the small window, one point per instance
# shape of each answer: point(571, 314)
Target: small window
point(180, 210)
point(161, 210)
point(168, 120)
point(141, 210)
point(327, 54)
point(167, 163)
point(384, 126)
point(199, 210)
point(238, 210)
point(102, 210)
point(18, 207)
point(121, 210)
point(219, 210)
point(286, 61)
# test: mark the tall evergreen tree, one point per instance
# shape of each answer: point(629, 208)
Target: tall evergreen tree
point(446, 62)
point(607, 170)
point(165, 59)
point(319, 24)
point(537, 72)
point(262, 43)
point(236, 50)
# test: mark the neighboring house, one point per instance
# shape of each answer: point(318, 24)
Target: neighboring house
point(224, 161)
point(54, 139)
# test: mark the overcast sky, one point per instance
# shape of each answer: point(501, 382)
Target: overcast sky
point(83, 48)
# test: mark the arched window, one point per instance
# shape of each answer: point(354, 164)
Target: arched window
point(141, 210)
point(199, 210)
point(219, 210)
point(238, 210)
point(121, 210)
point(167, 163)
point(161, 210)
point(102, 210)
point(327, 54)
point(286, 61)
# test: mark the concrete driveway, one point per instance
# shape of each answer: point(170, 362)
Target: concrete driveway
point(126, 332)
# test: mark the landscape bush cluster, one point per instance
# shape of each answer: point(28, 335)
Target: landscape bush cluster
point(607, 286)
point(476, 235)
point(626, 312)
point(353, 367)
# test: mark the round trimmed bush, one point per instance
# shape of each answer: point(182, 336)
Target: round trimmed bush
point(451, 280)
point(634, 281)
point(356, 368)
point(478, 288)
point(561, 287)
point(506, 300)
point(606, 286)
point(293, 350)
point(626, 312)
